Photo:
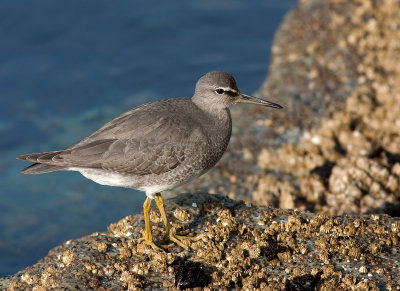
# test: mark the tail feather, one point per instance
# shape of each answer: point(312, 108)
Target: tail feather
point(38, 168)
point(38, 159)
point(47, 157)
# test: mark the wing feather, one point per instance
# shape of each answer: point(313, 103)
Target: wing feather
point(152, 140)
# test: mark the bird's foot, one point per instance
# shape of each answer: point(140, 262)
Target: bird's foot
point(177, 238)
point(152, 244)
point(164, 247)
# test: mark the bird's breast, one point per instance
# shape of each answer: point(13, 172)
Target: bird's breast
point(218, 135)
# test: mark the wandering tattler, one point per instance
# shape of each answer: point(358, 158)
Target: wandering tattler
point(156, 146)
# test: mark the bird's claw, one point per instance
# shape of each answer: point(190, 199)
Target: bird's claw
point(151, 243)
point(175, 237)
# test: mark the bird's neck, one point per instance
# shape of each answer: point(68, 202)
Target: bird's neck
point(216, 118)
point(217, 126)
point(215, 110)
point(220, 125)
point(222, 134)
point(215, 115)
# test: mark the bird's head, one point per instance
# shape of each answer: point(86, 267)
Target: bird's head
point(218, 90)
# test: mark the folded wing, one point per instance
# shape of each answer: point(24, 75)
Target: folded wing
point(154, 147)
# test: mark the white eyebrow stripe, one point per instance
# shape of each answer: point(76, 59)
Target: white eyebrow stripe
point(228, 89)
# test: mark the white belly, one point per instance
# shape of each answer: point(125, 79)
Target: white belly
point(109, 178)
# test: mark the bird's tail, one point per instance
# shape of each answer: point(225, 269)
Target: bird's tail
point(40, 166)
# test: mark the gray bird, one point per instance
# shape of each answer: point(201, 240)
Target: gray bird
point(156, 146)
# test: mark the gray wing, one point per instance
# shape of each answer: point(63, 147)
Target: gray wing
point(162, 120)
point(138, 157)
point(132, 144)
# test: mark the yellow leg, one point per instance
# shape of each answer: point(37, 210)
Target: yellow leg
point(148, 238)
point(170, 232)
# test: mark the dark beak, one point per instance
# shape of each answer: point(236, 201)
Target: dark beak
point(254, 100)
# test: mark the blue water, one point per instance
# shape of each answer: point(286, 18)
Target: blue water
point(67, 67)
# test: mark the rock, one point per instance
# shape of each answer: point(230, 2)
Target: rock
point(358, 138)
point(352, 121)
point(242, 246)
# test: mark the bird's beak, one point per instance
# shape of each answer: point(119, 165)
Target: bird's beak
point(254, 100)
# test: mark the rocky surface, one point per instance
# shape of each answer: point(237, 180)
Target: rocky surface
point(333, 150)
point(348, 162)
point(240, 247)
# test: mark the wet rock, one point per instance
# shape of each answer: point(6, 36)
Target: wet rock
point(303, 283)
point(271, 251)
point(190, 274)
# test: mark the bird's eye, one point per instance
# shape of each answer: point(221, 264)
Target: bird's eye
point(219, 91)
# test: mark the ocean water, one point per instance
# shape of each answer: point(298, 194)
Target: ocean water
point(67, 67)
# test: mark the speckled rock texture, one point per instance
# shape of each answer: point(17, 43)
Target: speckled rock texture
point(348, 162)
point(335, 147)
point(241, 247)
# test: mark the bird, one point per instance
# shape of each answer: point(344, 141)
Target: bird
point(156, 146)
